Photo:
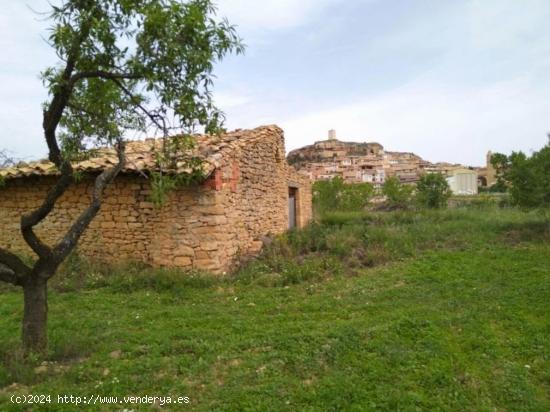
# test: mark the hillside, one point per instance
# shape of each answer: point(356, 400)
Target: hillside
point(361, 162)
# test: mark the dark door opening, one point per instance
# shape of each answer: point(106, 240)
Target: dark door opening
point(292, 207)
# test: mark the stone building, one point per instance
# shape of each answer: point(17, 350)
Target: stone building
point(487, 175)
point(249, 191)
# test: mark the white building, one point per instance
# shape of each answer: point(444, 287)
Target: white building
point(463, 181)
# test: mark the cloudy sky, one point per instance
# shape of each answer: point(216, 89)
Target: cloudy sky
point(447, 79)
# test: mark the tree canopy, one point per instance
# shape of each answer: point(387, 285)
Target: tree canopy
point(527, 177)
point(433, 191)
point(398, 195)
point(336, 195)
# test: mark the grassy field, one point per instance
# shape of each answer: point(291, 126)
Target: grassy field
point(441, 310)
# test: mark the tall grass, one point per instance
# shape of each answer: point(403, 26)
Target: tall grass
point(345, 242)
point(473, 312)
point(336, 244)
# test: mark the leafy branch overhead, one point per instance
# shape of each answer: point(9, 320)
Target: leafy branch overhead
point(136, 64)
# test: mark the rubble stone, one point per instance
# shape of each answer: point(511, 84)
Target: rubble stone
point(206, 226)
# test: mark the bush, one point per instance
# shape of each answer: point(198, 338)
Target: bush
point(433, 191)
point(398, 195)
point(529, 178)
point(335, 195)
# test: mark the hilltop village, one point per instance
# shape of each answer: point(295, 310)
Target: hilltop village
point(369, 162)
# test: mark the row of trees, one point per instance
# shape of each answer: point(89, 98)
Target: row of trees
point(432, 191)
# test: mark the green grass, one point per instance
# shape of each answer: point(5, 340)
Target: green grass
point(440, 310)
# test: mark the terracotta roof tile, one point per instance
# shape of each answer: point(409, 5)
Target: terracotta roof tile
point(141, 157)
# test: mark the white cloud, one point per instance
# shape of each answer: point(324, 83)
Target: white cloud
point(21, 116)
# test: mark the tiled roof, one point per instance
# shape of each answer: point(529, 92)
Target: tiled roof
point(140, 155)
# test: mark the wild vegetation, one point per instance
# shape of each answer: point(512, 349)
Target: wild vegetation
point(398, 195)
point(433, 191)
point(527, 178)
point(405, 310)
point(335, 195)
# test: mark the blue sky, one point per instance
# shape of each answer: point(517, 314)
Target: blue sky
point(446, 79)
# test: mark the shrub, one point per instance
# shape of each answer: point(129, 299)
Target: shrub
point(271, 271)
point(433, 191)
point(499, 162)
point(335, 195)
point(397, 194)
point(529, 178)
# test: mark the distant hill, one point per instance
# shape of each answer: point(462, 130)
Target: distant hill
point(362, 162)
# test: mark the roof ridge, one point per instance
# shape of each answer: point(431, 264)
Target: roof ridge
point(208, 148)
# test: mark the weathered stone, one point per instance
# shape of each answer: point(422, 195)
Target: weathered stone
point(184, 251)
point(209, 246)
point(182, 261)
point(200, 226)
point(201, 255)
point(214, 220)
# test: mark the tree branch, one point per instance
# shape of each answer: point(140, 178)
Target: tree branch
point(52, 117)
point(102, 74)
point(5, 160)
point(31, 219)
point(7, 275)
point(64, 247)
point(140, 106)
point(12, 269)
point(82, 110)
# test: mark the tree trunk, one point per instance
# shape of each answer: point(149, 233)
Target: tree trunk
point(35, 315)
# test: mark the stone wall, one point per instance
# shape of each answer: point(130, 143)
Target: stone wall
point(258, 205)
point(205, 227)
point(128, 226)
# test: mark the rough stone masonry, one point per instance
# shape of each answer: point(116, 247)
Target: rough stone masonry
point(244, 197)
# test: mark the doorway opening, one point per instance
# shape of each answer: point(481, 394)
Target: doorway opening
point(292, 196)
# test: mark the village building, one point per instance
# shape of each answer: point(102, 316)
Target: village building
point(487, 176)
point(248, 192)
point(356, 162)
point(369, 162)
point(463, 181)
